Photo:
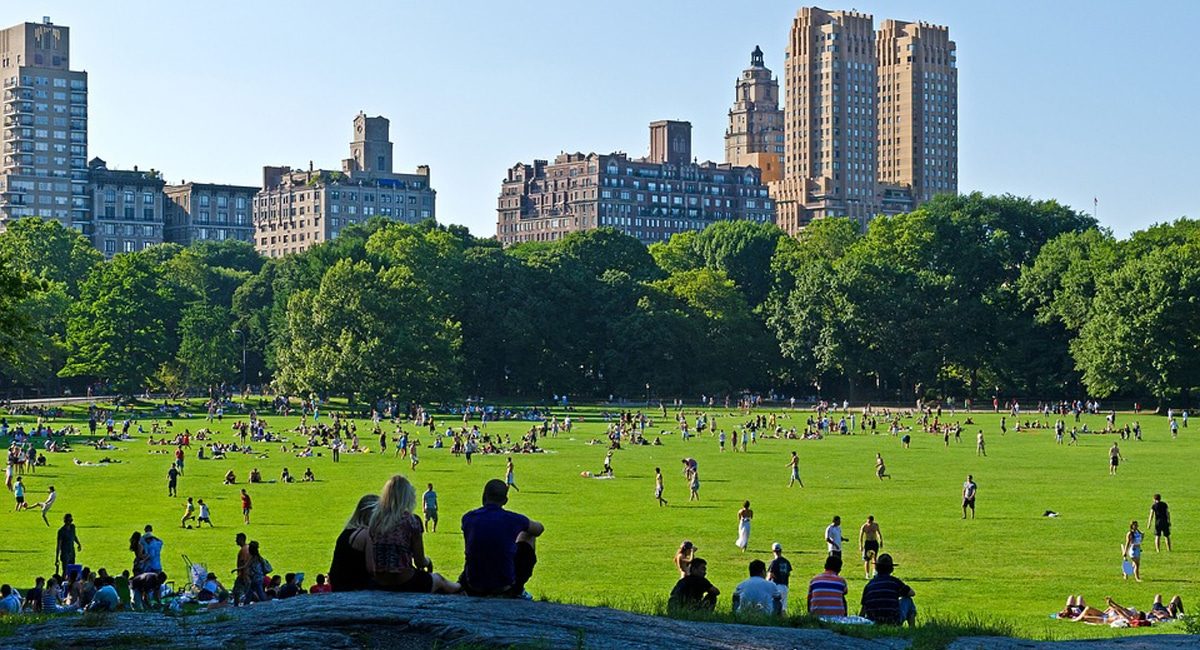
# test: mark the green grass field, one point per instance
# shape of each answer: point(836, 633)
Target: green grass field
point(608, 542)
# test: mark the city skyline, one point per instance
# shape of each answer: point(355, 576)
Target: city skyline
point(475, 90)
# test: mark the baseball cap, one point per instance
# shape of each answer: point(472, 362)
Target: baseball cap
point(777, 546)
point(687, 543)
point(884, 561)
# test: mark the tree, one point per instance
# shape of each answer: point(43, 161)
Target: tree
point(733, 338)
point(48, 250)
point(362, 334)
point(207, 345)
point(1144, 333)
point(16, 328)
point(118, 329)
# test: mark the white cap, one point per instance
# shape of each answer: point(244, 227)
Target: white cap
point(777, 546)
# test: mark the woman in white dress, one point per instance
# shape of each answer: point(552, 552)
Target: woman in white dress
point(744, 517)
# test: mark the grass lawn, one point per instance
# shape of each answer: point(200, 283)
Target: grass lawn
point(607, 541)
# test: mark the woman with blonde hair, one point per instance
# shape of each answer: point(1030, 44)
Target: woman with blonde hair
point(348, 571)
point(395, 546)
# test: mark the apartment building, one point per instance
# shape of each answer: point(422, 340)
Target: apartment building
point(649, 198)
point(297, 209)
point(127, 206)
point(44, 104)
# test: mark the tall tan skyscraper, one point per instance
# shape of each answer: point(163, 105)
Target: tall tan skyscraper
point(755, 133)
point(918, 108)
point(870, 120)
point(44, 172)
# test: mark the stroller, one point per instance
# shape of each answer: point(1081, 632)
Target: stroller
point(196, 575)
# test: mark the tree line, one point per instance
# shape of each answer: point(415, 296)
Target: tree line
point(967, 296)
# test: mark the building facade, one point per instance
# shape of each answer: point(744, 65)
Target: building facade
point(127, 206)
point(856, 134)
point(44, 172)
point(918, 108)
point(755, 135)
point(297, 209)
point(648, 198)
point(208, 212)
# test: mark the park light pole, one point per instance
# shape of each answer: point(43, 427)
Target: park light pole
point(238, 331)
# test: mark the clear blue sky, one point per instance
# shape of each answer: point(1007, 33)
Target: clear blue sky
point(1066, 100)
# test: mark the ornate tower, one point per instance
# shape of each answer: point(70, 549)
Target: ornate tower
point(755, 134)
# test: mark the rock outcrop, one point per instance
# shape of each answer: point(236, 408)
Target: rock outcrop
point(418, 622)
point(410, 621)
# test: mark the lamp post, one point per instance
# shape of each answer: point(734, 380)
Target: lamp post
point(647, 394)
point(238, 331)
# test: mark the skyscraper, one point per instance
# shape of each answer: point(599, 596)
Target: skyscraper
point(755, 133)
point(918, 107)
point(854, 96)
point(44, 170)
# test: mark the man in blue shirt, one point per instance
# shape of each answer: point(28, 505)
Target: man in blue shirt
point(499, 546)
point(430, 504)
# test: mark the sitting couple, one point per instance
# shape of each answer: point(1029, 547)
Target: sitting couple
point(382, 546)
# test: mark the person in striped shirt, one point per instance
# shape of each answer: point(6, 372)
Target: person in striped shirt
point(827, 590)
point(886, 599)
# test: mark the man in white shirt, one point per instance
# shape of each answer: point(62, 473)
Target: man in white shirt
point(51, 497)
point(833, 537)
point(756, 594)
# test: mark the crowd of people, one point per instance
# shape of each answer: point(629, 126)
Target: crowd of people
point(382, 546)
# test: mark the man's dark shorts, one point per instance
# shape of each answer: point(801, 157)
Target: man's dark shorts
point(1162, 529)
point(969, 503)
point(523, 563)
point(870, 550)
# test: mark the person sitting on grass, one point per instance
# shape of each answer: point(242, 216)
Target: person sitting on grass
point(290, 587)
point(321, 587)
point(106, 598)
point(10, 602)
point(212, 589)
point(230, 478)
point(827, 590)
point(755, 594)
point(694, 591)
point(886, 599)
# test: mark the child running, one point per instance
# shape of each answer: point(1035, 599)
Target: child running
point(189, 513)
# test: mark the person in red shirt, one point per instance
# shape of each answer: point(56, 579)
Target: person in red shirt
point(321, 587)
point(245, 506)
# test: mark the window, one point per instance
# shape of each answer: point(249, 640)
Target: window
point(147, 198)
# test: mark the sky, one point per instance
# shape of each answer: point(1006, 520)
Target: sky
point(1065, 100)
